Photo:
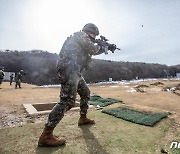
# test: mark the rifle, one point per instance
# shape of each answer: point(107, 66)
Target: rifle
point(103, 41)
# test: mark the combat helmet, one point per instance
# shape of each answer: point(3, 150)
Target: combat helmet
point(91, 28)
point(21, 71)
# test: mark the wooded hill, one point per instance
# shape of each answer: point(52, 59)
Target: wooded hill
point(40, 67)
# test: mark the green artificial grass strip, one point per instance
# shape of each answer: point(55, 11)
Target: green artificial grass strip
point(102, 102)
point(134, 116)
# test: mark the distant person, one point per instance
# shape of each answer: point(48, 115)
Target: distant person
point(18, 79)
point(11, 78)
point(1, 75)
point(75, 56)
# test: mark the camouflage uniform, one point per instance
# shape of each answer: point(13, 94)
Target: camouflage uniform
point(11, 79)
point(75, 56)
point(18, 79)
point(1, 76)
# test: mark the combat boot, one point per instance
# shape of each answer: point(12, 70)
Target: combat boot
point(83, 120)
point(47, 139)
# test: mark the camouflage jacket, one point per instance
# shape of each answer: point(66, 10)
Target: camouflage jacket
point(2, 74)
point(18, 77)
point(77, 50)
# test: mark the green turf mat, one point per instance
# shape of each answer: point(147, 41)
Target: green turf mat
point(134, 116)
point(102, 102)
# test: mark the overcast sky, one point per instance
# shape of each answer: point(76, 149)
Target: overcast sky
point(45, 24)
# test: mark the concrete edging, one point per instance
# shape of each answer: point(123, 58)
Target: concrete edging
point(31, 110)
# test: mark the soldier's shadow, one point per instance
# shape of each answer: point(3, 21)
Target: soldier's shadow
point(91, 141)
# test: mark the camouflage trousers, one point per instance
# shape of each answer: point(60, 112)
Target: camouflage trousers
point(70, 85)
point(11, 81)
point(18, 84)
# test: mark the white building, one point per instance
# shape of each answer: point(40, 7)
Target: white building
point(7, 75)
point(177, 75)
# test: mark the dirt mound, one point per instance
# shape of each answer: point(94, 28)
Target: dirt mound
point(178, 87)
point(140, 88)
point(175, 89)
point(177, 92)
point(157, 84)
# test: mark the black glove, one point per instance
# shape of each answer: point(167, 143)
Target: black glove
point(112, 47)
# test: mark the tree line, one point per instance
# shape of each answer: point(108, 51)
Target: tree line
point(40, 67)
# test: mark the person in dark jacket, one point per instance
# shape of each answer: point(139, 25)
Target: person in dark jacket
point(1, 75)
point(18, 79)
point(11, 78)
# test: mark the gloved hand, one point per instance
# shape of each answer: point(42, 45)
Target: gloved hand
point(112, 47)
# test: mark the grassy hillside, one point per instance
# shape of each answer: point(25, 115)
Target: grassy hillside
point(41, 68)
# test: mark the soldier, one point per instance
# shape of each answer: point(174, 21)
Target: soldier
point(11, 78)
point(18, 78)
point(1, 75)
point(74, 57)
